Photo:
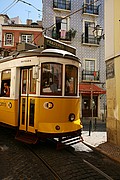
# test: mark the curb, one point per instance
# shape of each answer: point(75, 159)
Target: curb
point(103, 152)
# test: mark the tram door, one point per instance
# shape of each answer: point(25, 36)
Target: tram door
point(27, 101)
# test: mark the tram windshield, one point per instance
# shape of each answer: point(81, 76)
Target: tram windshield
point(51, 78)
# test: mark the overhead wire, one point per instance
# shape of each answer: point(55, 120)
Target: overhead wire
point(10, 6)
point(30, 5)
point(15, 2)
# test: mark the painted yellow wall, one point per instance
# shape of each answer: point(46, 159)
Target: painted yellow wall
point(112, 52)
point(117, 26)
point(109, 28)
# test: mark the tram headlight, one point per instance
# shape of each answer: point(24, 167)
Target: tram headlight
point(57, 127)
point(71, 117)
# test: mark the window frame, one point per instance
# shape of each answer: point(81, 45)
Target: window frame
point(75, 85)
point(50, 79)
point(7, 40)
point(5, 80)
point(26, 38)
point(60, 4)
point(90, 70)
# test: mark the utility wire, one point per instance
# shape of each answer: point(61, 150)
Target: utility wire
point(30, 5)
point(15, 2)
point(9, 7)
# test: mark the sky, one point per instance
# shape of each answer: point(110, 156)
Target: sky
point(25, 9)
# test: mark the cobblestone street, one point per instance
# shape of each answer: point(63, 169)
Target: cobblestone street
point(43, 162)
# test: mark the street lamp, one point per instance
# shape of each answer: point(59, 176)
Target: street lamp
point(98, 32)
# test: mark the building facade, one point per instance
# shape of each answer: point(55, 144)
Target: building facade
point(73, 22)
point(112, 57)
point(4, 19)
point(11, 34)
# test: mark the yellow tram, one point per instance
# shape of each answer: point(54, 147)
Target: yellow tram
point(44, 97)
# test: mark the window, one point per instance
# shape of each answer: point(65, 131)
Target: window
point(71, 80)
point(8, 39)
point(27, 38)
point(90, 7)
point(5, 86)
point(89, 69)
point(88, 36)
point(51, 79)
point(91, 2)
point(32, 83)
point(61, 27)
point(89, 27)
point(24, 81)
point(62, 4)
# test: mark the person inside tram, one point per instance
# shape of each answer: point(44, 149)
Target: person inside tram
point(6, 90)
point(54, 85)
point(67, 89)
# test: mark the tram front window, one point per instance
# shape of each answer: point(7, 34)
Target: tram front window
point(71, 80)
point(51, 78)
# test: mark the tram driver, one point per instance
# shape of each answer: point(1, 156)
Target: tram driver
point(6, 90)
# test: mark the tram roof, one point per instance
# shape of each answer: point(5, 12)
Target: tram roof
point(39, 52)
point(59, 52)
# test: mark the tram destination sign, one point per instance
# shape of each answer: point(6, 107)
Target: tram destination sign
point(110, 69)
point(49, 42)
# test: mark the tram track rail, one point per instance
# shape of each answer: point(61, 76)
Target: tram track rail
point(52, 171)
point(97, 170)
point(90, 164)
point(86, 162)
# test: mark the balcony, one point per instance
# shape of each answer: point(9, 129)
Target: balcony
point(65, 35)
point(90, 75)
point(90, 39)
point(90, 9)
point(66, 5)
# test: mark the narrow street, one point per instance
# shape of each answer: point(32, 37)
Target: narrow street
point(43, 161)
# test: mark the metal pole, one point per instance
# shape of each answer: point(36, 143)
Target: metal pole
point(92, 103)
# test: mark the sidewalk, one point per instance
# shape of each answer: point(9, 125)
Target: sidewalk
point(97, 139)
point(111, 150)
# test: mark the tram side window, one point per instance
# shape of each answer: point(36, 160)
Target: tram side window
point(51, 79)
point(5, 86)
point(24, 81)
point(71, 80)
point(32, 83)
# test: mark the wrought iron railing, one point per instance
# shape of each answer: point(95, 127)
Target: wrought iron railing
point(65, 35)
point(91, 9)
point(90, 75)
point(62, 5)
point(90, 39)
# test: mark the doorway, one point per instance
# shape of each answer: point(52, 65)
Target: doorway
point(86, 106)
point(27, 100)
